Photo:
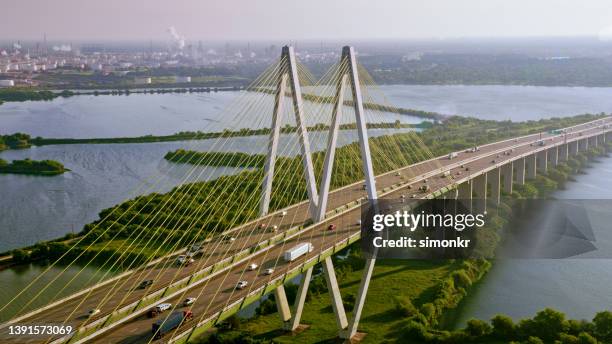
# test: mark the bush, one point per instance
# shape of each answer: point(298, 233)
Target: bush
point(20, 256)
point(565, 338)
point(429, 311)
point(477, 328)
point(585, 338)
point(404, 307)
point(267, 306)
point(503, 327)
point(547, 324)
point(603, 326)
point(534, 340)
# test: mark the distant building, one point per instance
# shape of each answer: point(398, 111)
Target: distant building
point(7, 83)
point(142, 81)
point(182, 79)
point(28, 67)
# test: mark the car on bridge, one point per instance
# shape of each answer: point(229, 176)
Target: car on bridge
point(145, 284)
point(252, 267)
point(184, 260)
point(163, 307)
point(332, 227)
point(242, 284)
point(93, 312)
point(269, 271)
point(189, 301)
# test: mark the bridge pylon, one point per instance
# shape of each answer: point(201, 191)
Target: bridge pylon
point(288, 78)
point(318, 201)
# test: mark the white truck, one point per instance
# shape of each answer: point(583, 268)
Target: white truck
point(298, 251)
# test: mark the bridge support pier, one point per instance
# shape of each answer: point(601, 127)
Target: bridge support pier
point(480, 193)
point(563, 152)
point(334, 293)
point(281, 303)
point(507, 173)
point(464, 193)
point(553, 156)
point(573, 148)
point(493, 177)
point(530, 166)
point(520, 171)
point(542, 159)
point(360, 301)
point(300, 299)
point(583, 145)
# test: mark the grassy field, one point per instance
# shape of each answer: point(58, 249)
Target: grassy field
point(392, 278)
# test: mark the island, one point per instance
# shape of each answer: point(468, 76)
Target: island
point(33, 167)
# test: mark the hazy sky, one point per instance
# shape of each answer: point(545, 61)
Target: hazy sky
point(306, 19)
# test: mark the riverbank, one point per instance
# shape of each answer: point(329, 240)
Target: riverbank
point(21, 141)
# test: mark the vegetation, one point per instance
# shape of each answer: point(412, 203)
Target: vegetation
point(13, 94)
point(489, 69)
point(27, 166)
point(15, 141)
point(20, 140)
point(457, 133)
point(233, 159)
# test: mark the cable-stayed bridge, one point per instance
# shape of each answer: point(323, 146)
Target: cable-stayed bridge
point(290, 106)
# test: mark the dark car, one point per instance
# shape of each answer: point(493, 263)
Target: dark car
point(145, 284)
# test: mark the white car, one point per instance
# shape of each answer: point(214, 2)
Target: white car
point(242, 284)
point(274, 228)
point(252, 266)
point(163, 307)
point(184, 260)
point(92, 312)
point(284, 213)
point(268, 271)
point(189, 301)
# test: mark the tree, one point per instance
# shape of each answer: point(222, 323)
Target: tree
point(20, 256)
point(585, 338)
point(477, 328)
point(548, 324)
point(534, 340)
point(503, 327)
point(603, 325)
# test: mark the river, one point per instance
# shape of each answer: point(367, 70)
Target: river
point(578, 287)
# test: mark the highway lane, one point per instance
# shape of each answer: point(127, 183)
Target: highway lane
point(244, 238)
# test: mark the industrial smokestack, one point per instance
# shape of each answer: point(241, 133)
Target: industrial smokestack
point(178, 39)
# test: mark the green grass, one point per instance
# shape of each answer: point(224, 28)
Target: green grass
point(391, 279)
